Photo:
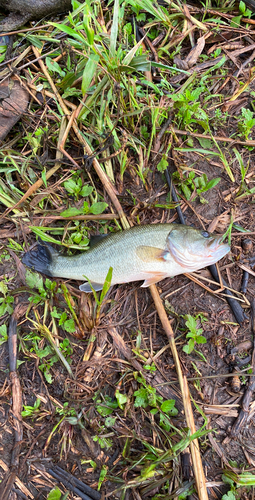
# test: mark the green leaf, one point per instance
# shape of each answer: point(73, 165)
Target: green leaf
point(164, 66)
point(242, 7)
point(44, 179)
point(191, 323)
point(3, 334)
point(69, 31)
point(235, 21)
point(46, 373)
point(71, 186)
point(75, 4)
point(45, 237)
point(3, 288)
point(229, 496)
point(86, 190)
point(34, 280)
point(54, 494)
point(212, 183)
point(54, 66)
point(200, 339)
point(98, 207)
point(102, 476)
point(168, 406)
point(69, 326)
point(162, 165)
point(121, 398)
point(106, 285)
point(110, 421)
point(88, 73)
point(107, 407)
point(186, 190)
point(6, 308)
point(205, 143)
point(71, 212)
point(189, 347)
point(141, 398)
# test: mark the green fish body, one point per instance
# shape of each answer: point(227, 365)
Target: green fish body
point(150, 253)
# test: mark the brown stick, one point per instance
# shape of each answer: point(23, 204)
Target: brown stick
point(194, 445)
point(219, 138)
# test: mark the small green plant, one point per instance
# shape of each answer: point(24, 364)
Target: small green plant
point(107, 405)
point(31, 411)
point(32, 344)
point(244, 12)
point(6, 301)
point(246, 122)
point(35, 138)
point(66, 323)
point(105, 289)
point(194, 333)
point(74, 187)
point(189, 108)
point(146, 396)
point(103, 442)
point(189, 183)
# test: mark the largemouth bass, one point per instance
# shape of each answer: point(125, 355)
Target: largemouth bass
point(150, 253)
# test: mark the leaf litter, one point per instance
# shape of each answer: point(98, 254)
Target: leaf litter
point(110, 113)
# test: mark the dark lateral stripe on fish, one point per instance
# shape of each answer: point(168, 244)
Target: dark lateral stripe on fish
point(39, 259)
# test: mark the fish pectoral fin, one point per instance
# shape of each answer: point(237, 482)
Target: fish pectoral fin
point(153, 278)
point(85, 287)
point(148, 254)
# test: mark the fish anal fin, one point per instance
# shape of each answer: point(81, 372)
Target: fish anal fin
point(85, 287)
point(153, 278)
point(148, 254)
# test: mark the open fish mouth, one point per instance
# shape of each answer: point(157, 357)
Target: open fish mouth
point(202, 255)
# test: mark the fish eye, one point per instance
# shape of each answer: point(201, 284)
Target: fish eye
point(205, 234)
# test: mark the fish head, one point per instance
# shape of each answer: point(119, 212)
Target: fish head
point(194, 249)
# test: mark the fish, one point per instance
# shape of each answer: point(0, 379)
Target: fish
point(148, 252)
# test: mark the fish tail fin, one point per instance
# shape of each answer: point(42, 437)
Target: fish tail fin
point(40, 258)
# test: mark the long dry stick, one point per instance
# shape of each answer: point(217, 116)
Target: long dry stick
point(194, 446)
point(219, 138)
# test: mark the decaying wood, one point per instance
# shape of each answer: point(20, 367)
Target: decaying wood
point(14, 103)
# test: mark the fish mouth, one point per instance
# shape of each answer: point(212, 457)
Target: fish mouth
point(217, 245)
point(210, 253)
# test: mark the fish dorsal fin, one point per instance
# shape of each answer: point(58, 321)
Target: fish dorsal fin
point(85, 287)
point(96, 238)
point(153, 278)
point(149, 254)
